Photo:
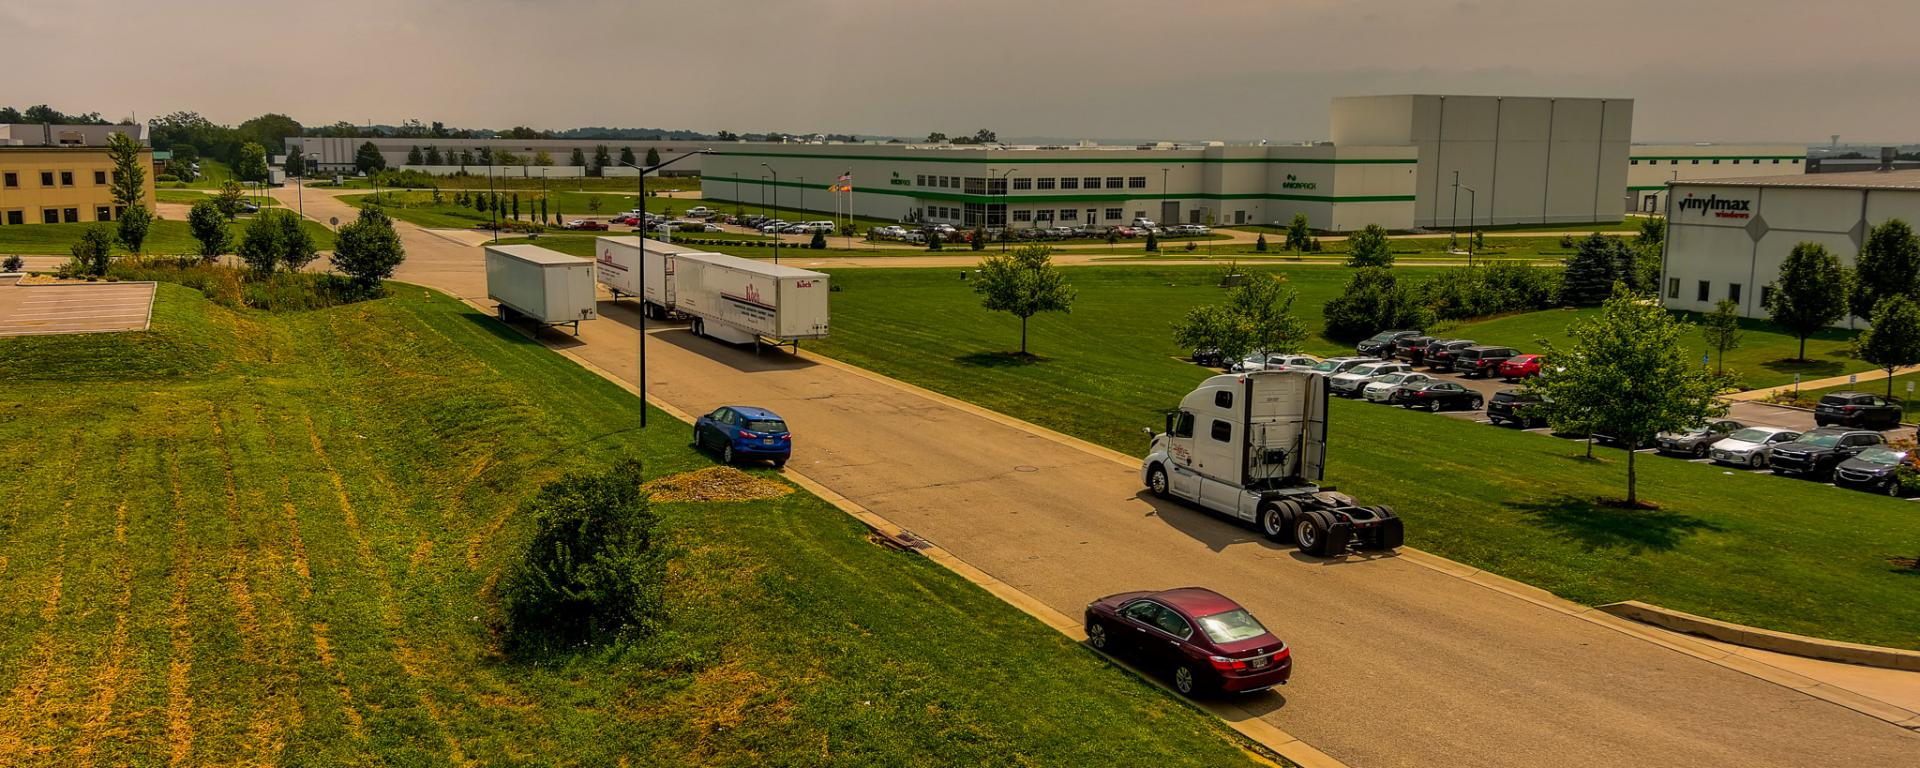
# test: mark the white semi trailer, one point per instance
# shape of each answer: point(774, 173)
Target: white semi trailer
point(641, 268)
point(742, 300)
point(1253, 446)
point(542, 285)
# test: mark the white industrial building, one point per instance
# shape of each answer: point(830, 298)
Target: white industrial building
point(336, 155)
point(1652, 166)
point(1727, 237)
point(1339, 188)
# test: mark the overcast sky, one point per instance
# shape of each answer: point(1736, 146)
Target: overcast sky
point(1753, 70)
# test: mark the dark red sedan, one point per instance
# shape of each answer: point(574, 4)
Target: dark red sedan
point(1519, 367)
point(1202, 640)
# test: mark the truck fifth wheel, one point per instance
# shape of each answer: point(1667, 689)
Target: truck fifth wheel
point(1253, 446)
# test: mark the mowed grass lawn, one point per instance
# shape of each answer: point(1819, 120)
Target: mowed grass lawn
point(266, 539)
point(1775, 552)
point(1765, 357)
point(189, 197)
point(168, 237)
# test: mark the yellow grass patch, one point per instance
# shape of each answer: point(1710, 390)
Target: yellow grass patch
point(720, 483)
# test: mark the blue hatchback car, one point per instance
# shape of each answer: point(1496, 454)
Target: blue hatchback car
point(744, 432)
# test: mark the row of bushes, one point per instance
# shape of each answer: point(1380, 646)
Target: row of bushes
point(1377, 298)
point(235, 287)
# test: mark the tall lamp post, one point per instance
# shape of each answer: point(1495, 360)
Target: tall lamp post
point(1453, 232)
point(299, 182)
point(1473, 207)
point(776, 209)
point(641, 184)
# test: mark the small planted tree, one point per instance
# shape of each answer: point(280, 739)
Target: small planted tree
point(209, 229)
point(1369, 248)
point(1023, 283)
point(93, 252)
point(978, 241)
point(516, 206)
point(228, 199)
point(626, 156)
point(601, 159)
point(260, 244)
point(129, 174)
point(12, 263)
point(593, 569)
point(250, 163)
point(653, 157)
point(1888, 265)
point(1894, 339)
point(368, 250)
point(1597, 263)
point(1374, 300)
point(1810, 294)
point(135, 222)
point(1298, 234)
point(415, 156)
point(1258, 315)
point(819, 241)
point(434, 157)
point(1260, 243)
point(578, 159)
point(933, 241)
point(542, 158)
point(1722, 331)
point(296, 246)
point(1153, 241)
point(593, 203)
point(1626, 375)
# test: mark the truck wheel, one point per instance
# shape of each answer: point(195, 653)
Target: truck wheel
point(1273, 524)
point(1307, 533)
point(1157, 481)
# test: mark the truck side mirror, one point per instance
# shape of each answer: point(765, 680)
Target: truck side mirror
point(1149, 431)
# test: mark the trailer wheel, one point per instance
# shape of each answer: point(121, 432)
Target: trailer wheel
point(1157, 481)
point(1308, 534)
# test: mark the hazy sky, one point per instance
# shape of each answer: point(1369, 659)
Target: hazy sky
point(1753, 70)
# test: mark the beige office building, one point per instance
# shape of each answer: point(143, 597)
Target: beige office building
point(61, 174)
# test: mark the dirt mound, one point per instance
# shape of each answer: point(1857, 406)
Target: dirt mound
point(714, 484)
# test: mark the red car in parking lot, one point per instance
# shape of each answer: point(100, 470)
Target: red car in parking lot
point(1520, 367)
point(1203, 641)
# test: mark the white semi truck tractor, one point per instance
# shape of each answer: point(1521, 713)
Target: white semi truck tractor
point(1253, 446)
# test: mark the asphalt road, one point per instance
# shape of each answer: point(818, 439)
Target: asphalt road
point(1397, 664)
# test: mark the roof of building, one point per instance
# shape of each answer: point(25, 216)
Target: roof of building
point(1902, 179)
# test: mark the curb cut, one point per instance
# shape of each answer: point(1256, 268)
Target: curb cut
point(1766, 639)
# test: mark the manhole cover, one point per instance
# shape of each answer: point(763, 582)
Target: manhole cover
point(1025, 468)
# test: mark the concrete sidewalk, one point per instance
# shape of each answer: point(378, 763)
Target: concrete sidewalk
point(1877, 374)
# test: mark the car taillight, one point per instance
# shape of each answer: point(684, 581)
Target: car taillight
point(1848, 409)
point(1224, 664)
point(745, 435)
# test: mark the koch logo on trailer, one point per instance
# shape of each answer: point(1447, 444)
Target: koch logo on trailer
point(1718, 206)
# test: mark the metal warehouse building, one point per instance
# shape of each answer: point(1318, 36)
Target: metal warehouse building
point(1339, 188)
point(1728, 236)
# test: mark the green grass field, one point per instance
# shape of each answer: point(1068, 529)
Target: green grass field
point(168, 237)
point(268, 539)
point(1765, 357)
point(189, 197)
point(1735, 546)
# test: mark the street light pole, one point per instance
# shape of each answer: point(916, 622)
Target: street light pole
point(776, 209)
point(493, 203)
point(641, 186)
point(1453, 232)
point(1473, 208)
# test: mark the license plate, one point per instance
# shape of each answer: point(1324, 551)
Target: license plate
point(767, 440)
point(1260, 663)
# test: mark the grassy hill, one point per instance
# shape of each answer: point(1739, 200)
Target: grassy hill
point(268, 538)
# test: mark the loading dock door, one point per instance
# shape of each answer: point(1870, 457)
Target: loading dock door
point(1170, 212)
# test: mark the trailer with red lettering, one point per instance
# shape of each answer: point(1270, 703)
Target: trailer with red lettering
point(741, 301)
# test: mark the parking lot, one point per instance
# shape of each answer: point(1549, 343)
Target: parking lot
point(29, 310)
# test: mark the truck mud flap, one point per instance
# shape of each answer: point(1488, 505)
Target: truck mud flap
point(1334, 541)
point(1389, 534)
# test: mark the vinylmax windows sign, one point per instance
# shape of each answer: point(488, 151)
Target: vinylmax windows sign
point(1717, 206)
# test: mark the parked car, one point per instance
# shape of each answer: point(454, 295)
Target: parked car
point(1381, 345)
point(1697, 441)
point(1519, 367)
point(891, 230)
point(1517, 406)
point(1380, 390)
point(1816, 453)
point(1337, 365)
point(1874, 469)
point(1350, 382)
point(1199, 638)
point(1276, 361)
point(1481, 361)
point(1439, 354)
point(1436, 396)
point(1412, 349)
point(587, 225)
point(1857, 409)
point(700, 212)
point(744, 432)
point(1751, 446)
point(1208, 356)
point(1142, 224)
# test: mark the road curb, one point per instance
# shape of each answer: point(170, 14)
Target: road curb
point(1248, 725)
point(1766, 639)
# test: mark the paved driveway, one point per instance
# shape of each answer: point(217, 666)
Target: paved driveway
point(27, 310)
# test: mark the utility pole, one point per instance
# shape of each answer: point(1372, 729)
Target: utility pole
point(641, 185)
point(776, 209)
point(1473, 207)
point(1454, 231)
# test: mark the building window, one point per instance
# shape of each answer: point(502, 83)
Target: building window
point(1673, 162)
point(1043, 215)
point(1704, 286)
point(1766, 292)
point(1137, 182)
point(1733, 292)
point(1023, 215)
point(72, 215)
point(1776, 161)
point(1633, 162)
point(1113, 214)
point(119, 211)
point(920, 180)
point(996, 186)
point(1139, 214)
point(1716, 161)
point(1696, 162)
point(1069, 214)
point(1044, 183)
point(1115, 182)
point(66, 178)
point(1067, 182)
point(100, 178)
point(1090, 182)
point(16, 217)
point(1795, 161)
point(1023, 184)
point(13, 180)
point(1673, 287)
point(974, 186)
point(46, 178)
point(103, 213)
point(50, 215)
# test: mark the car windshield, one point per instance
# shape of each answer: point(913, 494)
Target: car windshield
point(1326, 366)
point(1382, 336)
point(1231, 626)
point(1820, 441)
point(1393, 378)
point(1886, 457)
point(1751, 435)
point(1361, 370)
point(766, 425)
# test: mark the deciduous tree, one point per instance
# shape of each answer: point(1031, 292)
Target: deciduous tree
point(1374, 300)
point(415, 156)
point(1258, 314)
point(260, 244)
point(129, 178)
point(368, 250)
point(1810, 294)
point(209, 228)
point(1888, 265)
point(228, 199)
point(132, 228)
point(94, 250)
point(1023, 283)
point(1722, 331)
point(368, 159)
point(1369, 247)
point(250, 163)
point(542, 158)
point(1626, 375)
point(1894, 339)
point(1298, 235)
point(296, 246)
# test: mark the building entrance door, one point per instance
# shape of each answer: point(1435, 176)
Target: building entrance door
point(1169, 212)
